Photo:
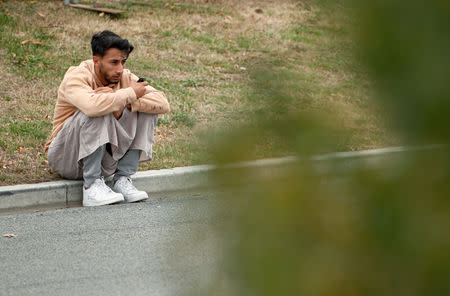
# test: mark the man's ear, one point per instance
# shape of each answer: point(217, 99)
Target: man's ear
point(96, 59)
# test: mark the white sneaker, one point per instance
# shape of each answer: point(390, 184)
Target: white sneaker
point(99, 194)
point(126, 187)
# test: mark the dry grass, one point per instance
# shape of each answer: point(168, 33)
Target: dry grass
point(198, 52)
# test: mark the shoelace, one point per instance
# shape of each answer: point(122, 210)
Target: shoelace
point(102, 187)
point(127, 184)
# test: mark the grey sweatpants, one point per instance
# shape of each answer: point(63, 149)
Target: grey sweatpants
point(81, 136)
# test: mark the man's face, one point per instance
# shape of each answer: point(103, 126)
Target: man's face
point(109, 68)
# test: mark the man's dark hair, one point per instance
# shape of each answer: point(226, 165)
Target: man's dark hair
point(105, 40)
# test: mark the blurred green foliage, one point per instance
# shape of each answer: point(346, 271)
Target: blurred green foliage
point(406, 46)
point(361, 226)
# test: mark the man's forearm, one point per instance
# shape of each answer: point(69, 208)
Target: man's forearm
point(154, 102)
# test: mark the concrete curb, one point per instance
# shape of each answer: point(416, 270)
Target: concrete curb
point(67, 192)
point(162, 182)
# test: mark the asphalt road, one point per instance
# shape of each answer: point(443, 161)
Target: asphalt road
point(163, 247)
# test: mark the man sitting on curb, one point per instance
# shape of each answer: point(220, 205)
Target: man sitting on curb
point(103, 123)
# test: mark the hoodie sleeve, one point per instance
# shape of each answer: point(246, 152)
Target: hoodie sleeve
point(153, 102)
point(78, 92)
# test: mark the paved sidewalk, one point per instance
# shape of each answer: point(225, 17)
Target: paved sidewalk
point(164, 247)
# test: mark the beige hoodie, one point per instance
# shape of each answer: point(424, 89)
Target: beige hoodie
point(77, 92)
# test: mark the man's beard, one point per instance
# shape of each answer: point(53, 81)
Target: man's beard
point(105, 75)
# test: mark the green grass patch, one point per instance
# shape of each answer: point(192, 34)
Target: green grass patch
point(6, 21)
point(7, 99)
point(27, 54)
point(36, 130)
point(183, 118)
point(299, 34)
point(174, 6)
point(204, 38)
point(244, 42)
point(193, 82)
